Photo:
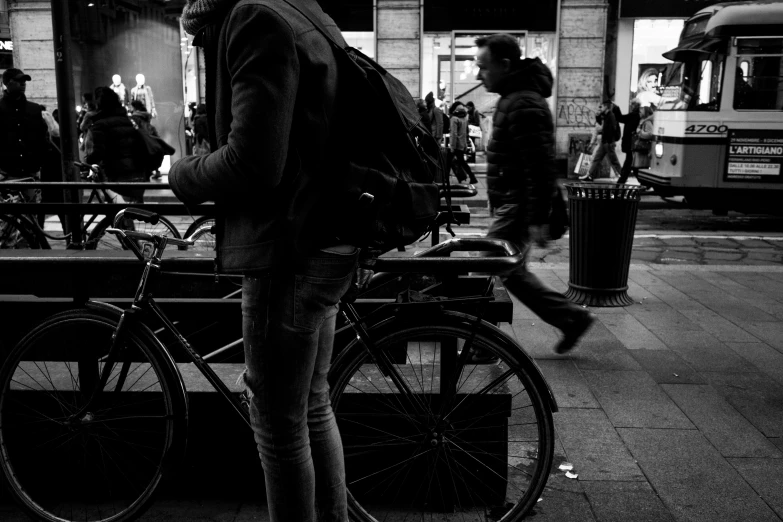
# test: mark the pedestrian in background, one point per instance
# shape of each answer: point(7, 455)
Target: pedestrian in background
point(143, 121)
point(201, 131)
point(113, 143)
point(521, 175)
point(421, 106)
point(24, 137)
point(436, 117)
point(644, 136)
point(458, 142)
point(275, 92)
point(610, 134)
point(630, 122)
point(474, 116)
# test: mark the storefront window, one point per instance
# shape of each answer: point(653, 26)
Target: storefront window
point(651, 38)
point(140, 44)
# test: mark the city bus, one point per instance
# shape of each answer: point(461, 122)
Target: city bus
point(719, 119)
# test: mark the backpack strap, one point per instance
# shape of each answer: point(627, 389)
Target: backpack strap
point(304, 11)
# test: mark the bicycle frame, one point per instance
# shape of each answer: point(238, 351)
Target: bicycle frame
point(144, 301)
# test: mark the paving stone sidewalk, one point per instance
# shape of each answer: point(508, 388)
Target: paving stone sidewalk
point(671, 408)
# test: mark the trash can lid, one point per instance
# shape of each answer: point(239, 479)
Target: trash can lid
point(593, 190)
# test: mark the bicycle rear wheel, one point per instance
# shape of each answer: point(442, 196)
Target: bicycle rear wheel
point(106, 463)
point(478, 449)
point(100, 240)
point(204, 240)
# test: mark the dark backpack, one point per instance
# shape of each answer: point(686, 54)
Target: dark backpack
point(381, 193)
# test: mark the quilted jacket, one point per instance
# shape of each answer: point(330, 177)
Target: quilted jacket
point(521, 151)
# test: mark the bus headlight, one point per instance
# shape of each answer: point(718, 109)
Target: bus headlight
point(659, 150)
point(673, 159)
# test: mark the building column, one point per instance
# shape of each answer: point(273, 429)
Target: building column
point(31, 32)
point(398, 34)
point(580, 77)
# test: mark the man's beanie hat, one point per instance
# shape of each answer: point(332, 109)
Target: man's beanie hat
point(14, 74)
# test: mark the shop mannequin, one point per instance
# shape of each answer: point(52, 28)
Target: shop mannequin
point(143, 93)
point(119, 87)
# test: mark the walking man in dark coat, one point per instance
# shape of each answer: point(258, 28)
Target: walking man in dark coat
point(521, 175)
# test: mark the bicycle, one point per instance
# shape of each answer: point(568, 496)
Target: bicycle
point(94, 391)
point(22, 231)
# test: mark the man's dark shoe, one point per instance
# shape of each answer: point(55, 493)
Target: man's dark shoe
point(479, 356)
point(575, 332)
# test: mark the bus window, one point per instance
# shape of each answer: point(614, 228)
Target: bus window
point(693, 85)
point(759, 78)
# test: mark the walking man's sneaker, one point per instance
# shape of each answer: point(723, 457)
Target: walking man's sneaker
point(586, 177)
point(480, 356)
point(574, 332)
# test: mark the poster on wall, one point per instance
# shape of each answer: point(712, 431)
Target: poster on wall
point(754, 155)
point(648, 84)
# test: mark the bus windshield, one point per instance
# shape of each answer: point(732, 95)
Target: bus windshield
point(693, 85)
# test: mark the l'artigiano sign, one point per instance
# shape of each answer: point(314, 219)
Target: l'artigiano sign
point(754, 156)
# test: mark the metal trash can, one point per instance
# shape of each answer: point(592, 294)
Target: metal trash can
point(603, 220)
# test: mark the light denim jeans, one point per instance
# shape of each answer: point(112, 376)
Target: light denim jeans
point(288, 322)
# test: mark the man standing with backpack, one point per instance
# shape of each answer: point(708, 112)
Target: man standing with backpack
point(520, 175)
point(271, 107)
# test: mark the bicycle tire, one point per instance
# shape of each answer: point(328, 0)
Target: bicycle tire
point(492, 451)
point(205, 241)
point(14, 234)
point(107, 465)
point(100, 240)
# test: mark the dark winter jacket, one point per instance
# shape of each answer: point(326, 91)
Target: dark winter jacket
point(609, 128)
point(521, 152)
point(24, 137)
point(271, 95)
point(113, 142)
point(143, 119)
point(630, 122)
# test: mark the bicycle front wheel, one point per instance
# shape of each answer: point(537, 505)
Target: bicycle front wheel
point(429, 435)
point(100, 240)
point(71, 451)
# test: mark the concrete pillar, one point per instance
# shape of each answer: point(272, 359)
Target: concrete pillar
point(398, 32)
point(580, 79)
point(31, 32)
